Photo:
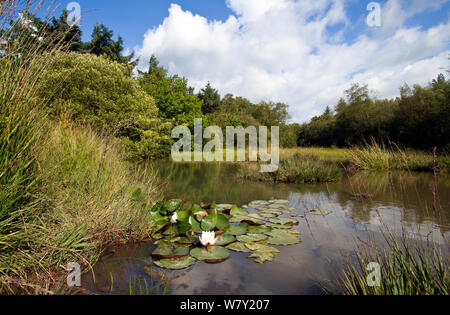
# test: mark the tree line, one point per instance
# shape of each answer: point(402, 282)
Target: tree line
point(419, 118)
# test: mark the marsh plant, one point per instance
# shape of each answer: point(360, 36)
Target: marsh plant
point(208, 233)
point(407, 267)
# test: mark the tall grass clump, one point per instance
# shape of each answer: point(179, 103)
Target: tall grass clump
point(20, 75)
point(65, 191)
point(379, 157)
point(295, 169)
point(95, 197)
point(407, 268)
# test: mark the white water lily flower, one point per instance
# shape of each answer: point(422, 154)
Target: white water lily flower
point(174, 218)
point(208, 238)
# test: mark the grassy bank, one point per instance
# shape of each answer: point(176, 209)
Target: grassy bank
point(86, 198)
point(315, 165)
point(65, 191)
point(293, 170)
point(378, 157)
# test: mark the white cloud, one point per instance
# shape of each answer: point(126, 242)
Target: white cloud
point(282, 50)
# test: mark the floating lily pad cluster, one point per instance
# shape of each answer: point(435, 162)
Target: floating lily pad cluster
point(254, 228)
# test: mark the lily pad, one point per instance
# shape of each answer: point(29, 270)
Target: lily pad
point(223, 206)
point(279, 237)
point(269, 215)
point(246, 219)
point(279, 226)
point(157, 236)
point(186, 240)
point(211, 254)
point(235, 210)
point(169, 252)
point(280, 201)
point(240, 229)
point(225, 239)
point(320, 212)
point(173, 205)
point(213, 221)
point(271, 211)
point(171, 231)
point(263, 229)
point(175, 263)
point(252, 238)
point(256, 216)
point(196, 227)
point(239, 247)
point(284, 221)
point(262, 252)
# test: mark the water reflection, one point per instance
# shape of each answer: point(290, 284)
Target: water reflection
point(415, 202)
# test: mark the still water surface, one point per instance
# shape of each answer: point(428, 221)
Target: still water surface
point(413, 202)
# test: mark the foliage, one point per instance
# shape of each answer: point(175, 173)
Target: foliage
point(210, 98)
point(181, 225)
point(406, 269)
point(103, 93)
point(417, 119)
point(103, 44)
point(172, 95)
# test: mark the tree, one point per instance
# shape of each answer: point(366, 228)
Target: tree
point(68, 36)
point(174, 98)
point(104, 93)
point(31, 34)
point(210, 98)
point(103, 44)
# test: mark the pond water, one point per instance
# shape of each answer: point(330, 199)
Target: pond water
point(414, 202)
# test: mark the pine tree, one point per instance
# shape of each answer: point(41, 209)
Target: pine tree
point(210, 98)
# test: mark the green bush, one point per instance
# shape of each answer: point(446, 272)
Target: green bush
point(104, 94)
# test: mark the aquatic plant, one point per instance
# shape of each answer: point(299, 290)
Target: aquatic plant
point(407, 267)
point(209, 232)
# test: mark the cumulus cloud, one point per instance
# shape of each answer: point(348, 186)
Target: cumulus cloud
point(296, 52)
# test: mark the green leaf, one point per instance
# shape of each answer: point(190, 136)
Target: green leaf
point(284, 221)
point(209, 222)
point(213, 221)
point(196, 208)
point(262, 229)
point(211, 254)
point(320, 212)
point(171, 231)
point(196, 225)
point(183, 216)
point(280, 237)
point(235, 210)
point(225, 239)
point(278, 226)
point(169, 252)
point(240, 229)
point(175, 263)
point(184, 228)
point(238, 247)
point(252, 238)
point(173, 205)
point(262, 252)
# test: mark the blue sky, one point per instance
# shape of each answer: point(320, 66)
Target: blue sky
point(302, 52)
point(131, 19)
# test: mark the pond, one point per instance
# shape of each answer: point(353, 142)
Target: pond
point(415, 202)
